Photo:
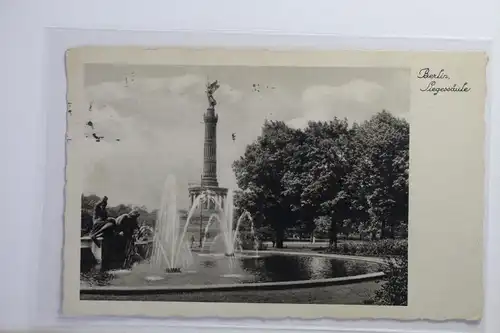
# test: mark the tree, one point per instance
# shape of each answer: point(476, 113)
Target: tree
point(119, 210)
point(316, 175)
point(147, 217)
point(354, 178)
point(88, 203)
point(322, 226)
point(259, 173)
point(378, 182)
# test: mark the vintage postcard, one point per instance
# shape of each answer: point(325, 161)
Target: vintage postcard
point(270, 184)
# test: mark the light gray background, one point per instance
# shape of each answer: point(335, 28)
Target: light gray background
point(30, 296)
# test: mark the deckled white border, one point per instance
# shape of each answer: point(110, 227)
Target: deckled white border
point(62, 39)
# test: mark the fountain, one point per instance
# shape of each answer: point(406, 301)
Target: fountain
point(170, 249)
point(211, 220)
point(229, 267)
point(225, 219)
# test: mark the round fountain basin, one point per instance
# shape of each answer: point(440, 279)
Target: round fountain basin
point(242, 269)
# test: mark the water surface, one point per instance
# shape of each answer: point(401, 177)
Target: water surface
point(218, 269)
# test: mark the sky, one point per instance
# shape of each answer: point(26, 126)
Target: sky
point(151, 118)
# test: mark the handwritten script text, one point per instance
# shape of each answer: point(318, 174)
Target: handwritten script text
point(437, 82)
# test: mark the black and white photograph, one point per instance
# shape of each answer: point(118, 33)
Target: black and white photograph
point(244, 184)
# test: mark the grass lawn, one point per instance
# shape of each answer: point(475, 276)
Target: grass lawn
point(354, 293)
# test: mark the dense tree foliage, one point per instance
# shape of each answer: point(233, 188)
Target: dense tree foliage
point(379, 179)
point(329, 177)
point(259, 174)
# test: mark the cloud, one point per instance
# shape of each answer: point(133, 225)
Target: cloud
point(181, 83)
point(150, 128)
point(159, 125)
point(134, 88)
point(131, 87)
point(118, 135)
point(351, 100)
point(360, 91)
point(228, 94)
point(132, 170)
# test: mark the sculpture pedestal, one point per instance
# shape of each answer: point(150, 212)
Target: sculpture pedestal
point(113, 253)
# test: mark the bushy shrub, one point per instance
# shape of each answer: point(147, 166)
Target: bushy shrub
point(394, 290)
point(386, 247)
